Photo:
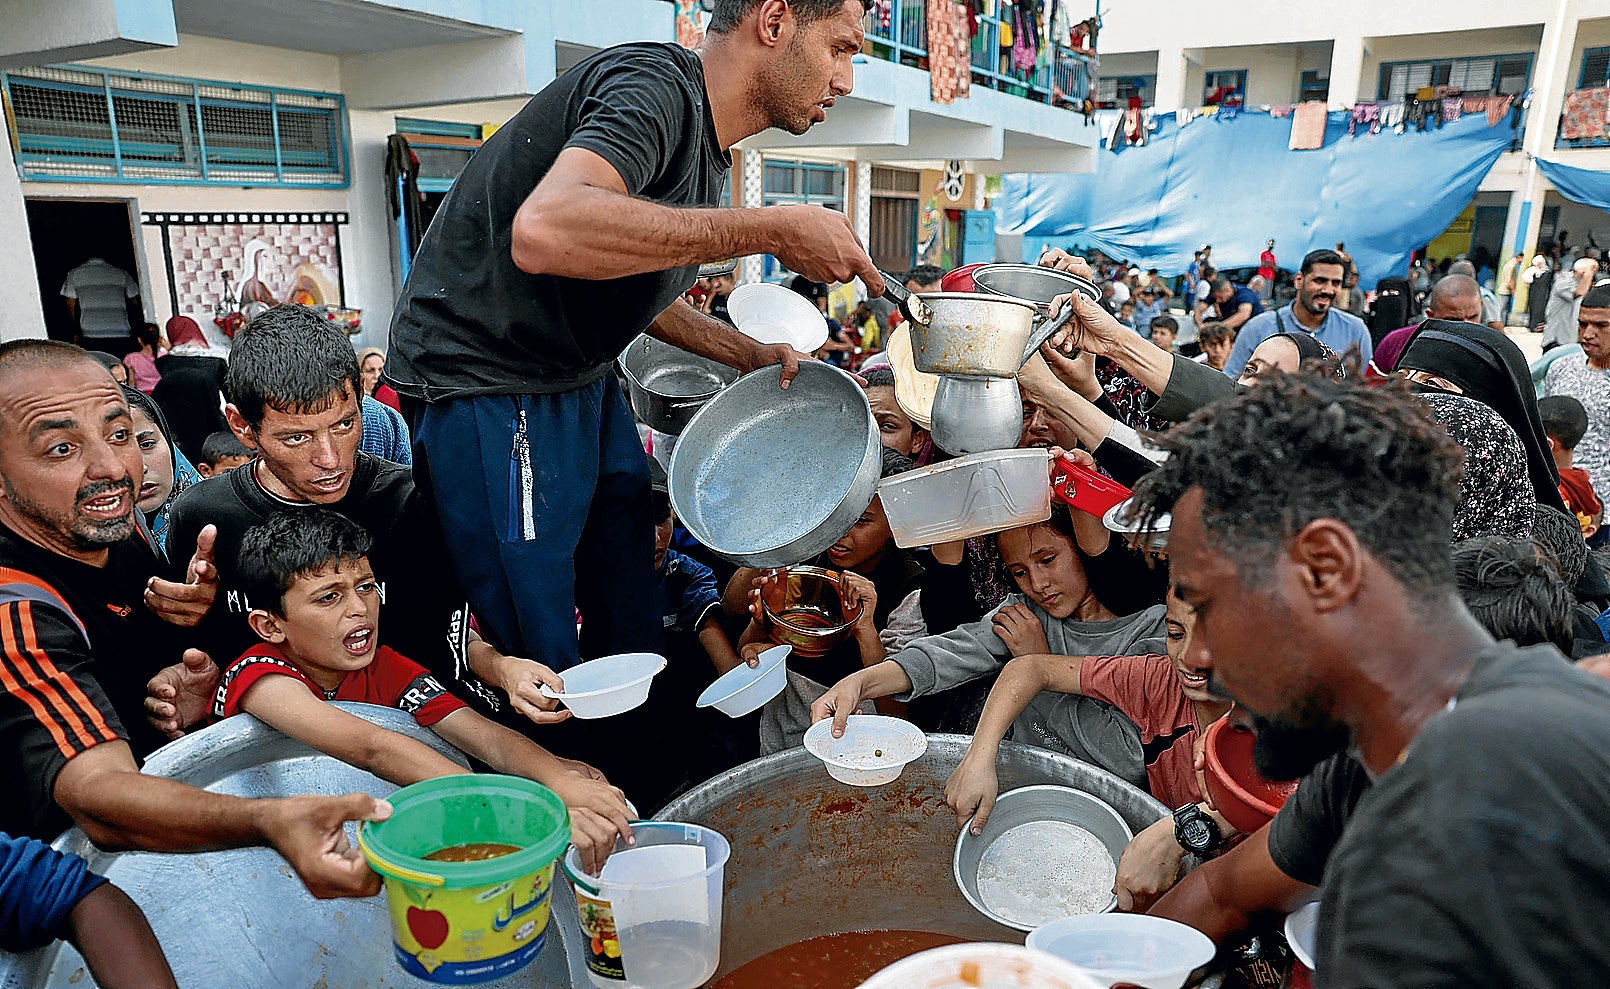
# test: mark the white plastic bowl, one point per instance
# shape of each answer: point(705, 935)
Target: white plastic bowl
point(608, 686)
point(742, 690)
point(1302, 927)
point(1142, 950)
point(771, 313)
point(873, 751)
point(981, 966)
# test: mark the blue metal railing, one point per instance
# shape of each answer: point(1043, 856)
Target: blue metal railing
point(1064, 80)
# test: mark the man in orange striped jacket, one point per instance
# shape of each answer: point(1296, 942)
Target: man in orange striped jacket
point(81, 630)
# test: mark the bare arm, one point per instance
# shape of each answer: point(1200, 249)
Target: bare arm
point(1242, 313)
point(580, 222)
point(1220, 897)
point(684, 326)
point(114, 937)
point(286, 703)
point(120, 808)
point(718, 647)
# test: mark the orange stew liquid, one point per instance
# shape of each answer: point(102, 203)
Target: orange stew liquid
point(474, 852)
point(834, 961)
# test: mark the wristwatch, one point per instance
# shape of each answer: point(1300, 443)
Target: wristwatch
point(1196, 832)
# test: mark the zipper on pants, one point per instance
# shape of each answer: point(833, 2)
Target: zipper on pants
point(521, 455)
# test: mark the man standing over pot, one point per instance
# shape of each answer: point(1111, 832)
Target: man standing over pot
point(602, 187)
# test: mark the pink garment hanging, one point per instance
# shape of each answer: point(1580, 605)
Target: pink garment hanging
point(1498, 109)
point(950, 72)
point(1308, 126)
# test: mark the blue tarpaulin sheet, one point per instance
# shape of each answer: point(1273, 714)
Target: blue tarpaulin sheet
point(1234, 184)
point(1580, 185)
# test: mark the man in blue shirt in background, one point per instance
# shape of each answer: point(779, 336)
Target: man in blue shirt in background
point(1147, 308)
point(1317, 283)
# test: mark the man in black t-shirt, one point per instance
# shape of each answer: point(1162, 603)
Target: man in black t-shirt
point(602, 188)
point(1321, 575)
point(76, 644)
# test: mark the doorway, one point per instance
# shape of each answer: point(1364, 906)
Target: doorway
point(66, 233)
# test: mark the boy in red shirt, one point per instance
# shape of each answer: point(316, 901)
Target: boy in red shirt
point(1565, 420)
point(316, 605)
point(1170, 705)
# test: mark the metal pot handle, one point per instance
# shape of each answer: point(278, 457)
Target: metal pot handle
point(1046, 331)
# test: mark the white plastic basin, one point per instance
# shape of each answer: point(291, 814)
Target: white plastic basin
point(970, 496)
point(608, 686)
point(742, 690)
point(769, 313)
point(1152, 952)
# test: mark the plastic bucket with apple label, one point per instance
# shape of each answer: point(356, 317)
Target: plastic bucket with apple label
point(468, 920)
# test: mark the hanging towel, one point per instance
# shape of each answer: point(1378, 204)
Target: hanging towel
point(1368, 114)
point(1183, 116)
point(1498, 109)
point(1475, 104)
point(949, 51)
point(1134, 123)
point(1229, 111)
point(1452, 107)
point(1391, 115)
point(1584, 114)
point(1280, 112)
point(1308, 126)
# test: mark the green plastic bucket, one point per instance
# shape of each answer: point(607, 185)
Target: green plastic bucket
point(459, 923)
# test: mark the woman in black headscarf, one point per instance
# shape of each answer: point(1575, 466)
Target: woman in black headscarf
point(1482, 363)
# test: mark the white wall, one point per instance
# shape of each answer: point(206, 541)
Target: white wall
point(20, 311)
point(1451, 44)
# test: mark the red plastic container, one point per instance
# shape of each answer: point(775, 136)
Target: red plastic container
point(960, 280)
point(1085, 489)
point(1244, 797)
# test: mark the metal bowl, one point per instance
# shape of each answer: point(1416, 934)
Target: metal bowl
point(1032, 283)
point(1027, 805)
point(769, 478)
point(668, 385)
point(802, 608)
point(976, 415)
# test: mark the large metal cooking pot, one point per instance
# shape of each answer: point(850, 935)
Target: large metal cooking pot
point(770, 478)
point(979, 335)
point(811, 856)
point(668, 384)
point(976, 415)
point(240, 919)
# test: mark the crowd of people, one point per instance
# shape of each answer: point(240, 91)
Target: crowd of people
point(1374, 548)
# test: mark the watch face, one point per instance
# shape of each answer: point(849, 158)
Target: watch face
point(1196, 834)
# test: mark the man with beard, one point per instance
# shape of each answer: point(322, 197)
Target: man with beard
point(1464, 841)
point(1318, 280)
point(605, 186)
point(76, 645)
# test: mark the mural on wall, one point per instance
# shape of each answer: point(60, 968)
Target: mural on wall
point(223, 267)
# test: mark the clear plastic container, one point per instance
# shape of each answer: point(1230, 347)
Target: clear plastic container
point(966, 497)
point(1151, 952)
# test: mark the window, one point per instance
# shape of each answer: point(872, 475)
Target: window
point(1313, 86)
point(1595, 68)
point(1114, 92)
point(89, 125)
point(1224, 86)
point(810, 182)
point(1503, 75)
point(896, 202)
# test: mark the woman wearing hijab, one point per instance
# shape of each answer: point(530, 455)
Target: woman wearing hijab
point(167, 472)
point(190, 393)
point(1495, 491)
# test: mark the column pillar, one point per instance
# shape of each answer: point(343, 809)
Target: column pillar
point(750, 194)
point(21, 314)
point(1170, 94)
point(1346, 72)
point(861, 199)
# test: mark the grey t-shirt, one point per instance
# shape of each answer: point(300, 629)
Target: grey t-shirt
point(1077, 726)
point(102, 291)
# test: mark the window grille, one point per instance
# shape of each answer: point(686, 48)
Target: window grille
point(71, 123)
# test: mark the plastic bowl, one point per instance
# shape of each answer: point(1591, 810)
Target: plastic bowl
point(1239, 792)
point(771, 313)
point(873, 751)
point(1302, 927)
point(1028, 805)
point(981, 966)
point(608, 686)
point(802, 608)
point(1131, 948)
point(960, 279)
point(966, 497)
point(741, 690)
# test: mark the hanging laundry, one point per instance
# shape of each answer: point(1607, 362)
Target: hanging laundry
point(1229, 111)
point(1364, 113)
point(1115, 140)
point(689, 23)
point(1498, 109)
point(1585, 114)
point(1392, 115)
point(1183, 116)
point(1061, 30)
point(1280, 112)
point(1026, 39)
point(885, 10)
point(1450, 107)
point(1308, 126)
point(1474, 104)
point(950, 70)
point(1134, 123)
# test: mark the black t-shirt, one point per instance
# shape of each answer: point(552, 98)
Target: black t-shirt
point(470, 322)
point(423, 613)
point(1481, 860)
point(1305, 832)
point(77, 645)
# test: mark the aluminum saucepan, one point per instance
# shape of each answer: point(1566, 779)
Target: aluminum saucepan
point(769, 478)
point(1032, 283)
point(976, 415)
point(668, 385)
point(980, 335)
